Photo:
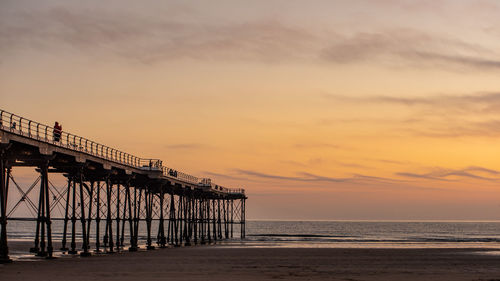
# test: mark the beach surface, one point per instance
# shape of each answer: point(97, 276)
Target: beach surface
point(240, 263)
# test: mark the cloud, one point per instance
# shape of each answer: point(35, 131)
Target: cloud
point(352, 165)
point(483, 170)
point(449, 128)
point(487, 101)
point(410, 47)
point(440, 116)
point(324, 162)
point(442, 174)
point(309, 177)
point(150, 40)
point(388, 161)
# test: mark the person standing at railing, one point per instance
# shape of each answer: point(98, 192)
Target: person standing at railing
point(57, 131)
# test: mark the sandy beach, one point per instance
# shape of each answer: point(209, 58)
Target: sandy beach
point(227, 263)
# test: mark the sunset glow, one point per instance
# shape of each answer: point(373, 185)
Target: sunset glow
point(319, 109)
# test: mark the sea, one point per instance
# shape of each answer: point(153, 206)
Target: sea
point(374, 234)
point(318, 234)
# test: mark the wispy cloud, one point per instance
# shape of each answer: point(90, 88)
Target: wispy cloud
point(443, 174)
point(309, 177)
point(388, 161)
point(483, 100)
point(460, 128)
point(409, 46)
point(440, 115)
point(150, 40)
point(132, 37)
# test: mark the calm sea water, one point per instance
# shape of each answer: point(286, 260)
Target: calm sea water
point(326, 234)
point(371, 234)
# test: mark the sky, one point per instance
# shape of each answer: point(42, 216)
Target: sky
point(321, 110)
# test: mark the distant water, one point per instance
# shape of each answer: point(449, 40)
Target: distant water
point(370, 234)
point(326, 234)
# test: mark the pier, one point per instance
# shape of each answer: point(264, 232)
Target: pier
point(107, 191)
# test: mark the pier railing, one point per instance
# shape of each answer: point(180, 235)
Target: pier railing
point(25, 127)
point(34, 130)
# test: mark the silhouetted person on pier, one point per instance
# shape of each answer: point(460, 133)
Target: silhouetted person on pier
point(57, 131)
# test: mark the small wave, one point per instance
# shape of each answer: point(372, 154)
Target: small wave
point(357, 239)
point(457, 240)
point(299, 235)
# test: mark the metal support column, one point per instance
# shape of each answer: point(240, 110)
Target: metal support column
point(108, 238)
point(89, 218)
point(162, 242)
point(132, 247)
point(66, 217)
point(73, 218)
point(85, 246)
point(4, 188)
point(242, 219)
point(148, 201)
point(214, 221)
point(232, 217)
point(41, 216)
point(98, 219)
point(117, 217)
point(208, 221)
point(137, 215)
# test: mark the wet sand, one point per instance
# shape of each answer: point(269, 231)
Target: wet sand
point(226, 263)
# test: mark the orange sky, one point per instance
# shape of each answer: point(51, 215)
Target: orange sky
point(320, 109)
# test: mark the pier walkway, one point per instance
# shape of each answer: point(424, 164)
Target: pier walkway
point(105, 184)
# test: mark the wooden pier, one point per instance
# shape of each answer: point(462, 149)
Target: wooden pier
point(108, 185)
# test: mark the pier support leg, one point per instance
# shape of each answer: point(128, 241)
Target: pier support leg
point(137, 215)
point(148, 201)
point(85, 246)
point(232, 217)
point(201, 216)
point(219, 221)
point(43, 221)
point(89, 218)
point(226, 229)
point(41, 217)
point(4, 188)
point(118, 217)
point(108, 238)
point(124, 214)
point(187, 221)
point(172, 224)
point(66, 217)
point(207, 207)
point(214, 224)
point(36, 247)
point(73, 219)
point(242, 219)
point(162, 242)
point(132, 247)
point(48, 222)
point(195, 220)
point(98, 219)
point(180, 213)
